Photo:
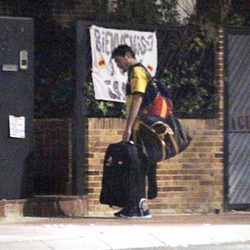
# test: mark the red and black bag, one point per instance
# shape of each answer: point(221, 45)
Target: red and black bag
point(162, 138)
point(160, 133)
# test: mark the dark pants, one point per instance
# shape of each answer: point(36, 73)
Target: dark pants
point(138, 184)
point(150, 174)
point(147, 170)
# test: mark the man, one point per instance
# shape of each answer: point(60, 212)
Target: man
point(138, 79)
point(124, 57)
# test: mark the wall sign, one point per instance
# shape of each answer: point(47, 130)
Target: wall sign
point(17, 126)
point(109, 82)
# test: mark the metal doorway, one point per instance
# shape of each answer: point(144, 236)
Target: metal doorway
point(16, 104)
point(237, 119)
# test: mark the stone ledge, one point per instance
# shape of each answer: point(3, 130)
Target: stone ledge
point(12, 208)
point(46, 206)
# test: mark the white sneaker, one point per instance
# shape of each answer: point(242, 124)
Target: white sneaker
point(144, 209)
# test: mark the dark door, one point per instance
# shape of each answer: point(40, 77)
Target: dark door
point(16, 104)
point(238, 118)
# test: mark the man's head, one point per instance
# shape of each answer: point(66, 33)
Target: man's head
point(124, 57)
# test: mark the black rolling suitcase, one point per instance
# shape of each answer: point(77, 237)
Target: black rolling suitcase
point(122, 175)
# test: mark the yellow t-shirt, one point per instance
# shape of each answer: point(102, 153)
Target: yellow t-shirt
point(138, 80)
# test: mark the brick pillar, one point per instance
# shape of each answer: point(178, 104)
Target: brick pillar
point(220, 83)
point(220, 74)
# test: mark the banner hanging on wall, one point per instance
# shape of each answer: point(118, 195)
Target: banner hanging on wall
point(109, 82)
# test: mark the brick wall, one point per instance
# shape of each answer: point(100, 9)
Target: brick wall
point(66, 14)
point(63, 12)
point(52, 157)
point(192, 182)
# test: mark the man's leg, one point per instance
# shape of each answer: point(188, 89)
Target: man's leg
point(137, 203)
point(152, 181)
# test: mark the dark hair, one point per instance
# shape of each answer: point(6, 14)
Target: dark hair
point(121, 50)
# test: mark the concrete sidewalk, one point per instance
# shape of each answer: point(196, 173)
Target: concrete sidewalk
point(160, 232)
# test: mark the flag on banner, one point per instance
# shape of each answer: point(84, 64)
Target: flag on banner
point(109, 82)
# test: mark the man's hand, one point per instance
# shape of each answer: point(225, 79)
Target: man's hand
point(127, 135)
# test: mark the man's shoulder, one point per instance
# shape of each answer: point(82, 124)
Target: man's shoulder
point(136, 66)
point(138, 69)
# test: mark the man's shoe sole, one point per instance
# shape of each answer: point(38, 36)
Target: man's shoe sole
point(135, 217)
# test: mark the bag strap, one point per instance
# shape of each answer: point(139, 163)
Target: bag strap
point(161, 138)
point(162, 88)
point(151, 79)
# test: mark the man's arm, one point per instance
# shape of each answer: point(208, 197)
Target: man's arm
point(132, 115)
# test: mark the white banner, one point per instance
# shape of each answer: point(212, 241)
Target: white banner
point(109, 82)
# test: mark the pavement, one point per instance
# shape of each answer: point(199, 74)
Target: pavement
point(159, 232)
